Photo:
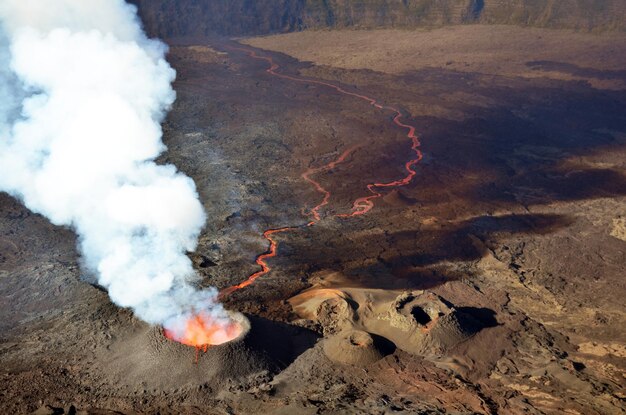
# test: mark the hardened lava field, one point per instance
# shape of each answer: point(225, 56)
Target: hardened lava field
point(458, 244)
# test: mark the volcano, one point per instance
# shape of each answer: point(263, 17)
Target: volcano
point(373, 220)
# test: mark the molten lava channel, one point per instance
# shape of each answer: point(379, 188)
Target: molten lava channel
point(361, 205)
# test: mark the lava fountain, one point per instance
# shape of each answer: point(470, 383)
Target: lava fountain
point(202, 330)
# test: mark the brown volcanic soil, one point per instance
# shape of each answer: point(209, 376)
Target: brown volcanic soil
point(493, 283)
point(497, 50)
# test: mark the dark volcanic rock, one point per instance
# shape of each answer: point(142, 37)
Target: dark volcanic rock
point(167, 18)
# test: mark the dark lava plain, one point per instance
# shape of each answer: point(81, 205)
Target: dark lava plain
point(516, 219)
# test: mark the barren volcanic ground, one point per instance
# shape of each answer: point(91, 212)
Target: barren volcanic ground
point(492, 281)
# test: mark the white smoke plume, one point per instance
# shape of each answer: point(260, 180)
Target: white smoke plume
point(82, 94)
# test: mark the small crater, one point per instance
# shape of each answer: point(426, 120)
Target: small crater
point(421, 316)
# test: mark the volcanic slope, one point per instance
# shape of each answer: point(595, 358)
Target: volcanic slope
point(491, 283)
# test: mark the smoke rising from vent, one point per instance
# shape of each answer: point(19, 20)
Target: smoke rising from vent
point(82, 94)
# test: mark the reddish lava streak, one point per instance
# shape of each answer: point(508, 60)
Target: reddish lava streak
point(260, 260)
point(361, 205)
point(364, 204)
point(315, 212)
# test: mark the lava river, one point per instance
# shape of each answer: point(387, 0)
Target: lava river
point(361, 205)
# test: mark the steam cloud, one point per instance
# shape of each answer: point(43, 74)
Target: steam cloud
point(82, 94)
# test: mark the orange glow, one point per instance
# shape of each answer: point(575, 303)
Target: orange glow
point(202, 331)
point(315, 212)
point(361, 205)
point(260, 260)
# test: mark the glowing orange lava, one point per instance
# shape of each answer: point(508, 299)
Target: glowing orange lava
point(201, 331)
point(315, 212)
point(260, 260)
point(361, 205)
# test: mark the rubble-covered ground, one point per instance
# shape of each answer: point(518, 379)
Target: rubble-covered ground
point(492, 283)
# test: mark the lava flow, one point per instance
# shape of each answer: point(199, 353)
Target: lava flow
point(361, 205)
point(315, 212)
point(260, 260)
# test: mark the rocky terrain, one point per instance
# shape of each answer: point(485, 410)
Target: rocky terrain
point(180, 18)
point(537, 53)
point(492, 283)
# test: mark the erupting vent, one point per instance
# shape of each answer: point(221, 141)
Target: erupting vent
point(202, 330)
